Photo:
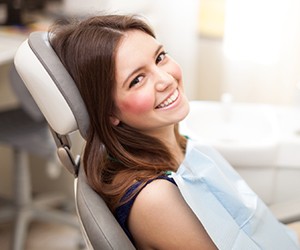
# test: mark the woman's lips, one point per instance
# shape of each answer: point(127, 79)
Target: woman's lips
point(169, 100)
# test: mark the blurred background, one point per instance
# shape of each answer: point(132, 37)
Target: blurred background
point(246, 49)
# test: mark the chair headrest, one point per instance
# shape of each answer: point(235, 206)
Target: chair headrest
point(51, 86)
point(24, 97)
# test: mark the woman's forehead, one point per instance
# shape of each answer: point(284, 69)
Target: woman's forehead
point(134, 51)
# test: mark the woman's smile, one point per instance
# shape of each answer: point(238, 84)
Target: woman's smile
point(169, 100)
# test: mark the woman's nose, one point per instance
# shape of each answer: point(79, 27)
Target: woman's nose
point(163, 80)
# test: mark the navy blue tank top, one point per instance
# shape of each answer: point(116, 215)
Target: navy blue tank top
point(122, 212)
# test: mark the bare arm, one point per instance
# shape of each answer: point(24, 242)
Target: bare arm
point(161, 219)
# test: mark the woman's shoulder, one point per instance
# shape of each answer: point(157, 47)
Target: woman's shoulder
point(160, 207)
point(123, 211)
point(139, 185)
point(153, 201)
point(156, 191)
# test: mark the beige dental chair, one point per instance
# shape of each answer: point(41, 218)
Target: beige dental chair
point(60, 102)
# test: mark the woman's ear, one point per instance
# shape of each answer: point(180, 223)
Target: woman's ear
point(114, 120)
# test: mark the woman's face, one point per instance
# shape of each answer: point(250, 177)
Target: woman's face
point(149, 93)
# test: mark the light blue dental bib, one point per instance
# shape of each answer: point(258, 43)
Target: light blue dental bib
point(232, 214)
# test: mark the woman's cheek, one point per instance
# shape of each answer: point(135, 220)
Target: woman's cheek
point(137, 104)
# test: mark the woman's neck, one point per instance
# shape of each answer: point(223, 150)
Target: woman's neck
point(168, 137)
point(174, 147)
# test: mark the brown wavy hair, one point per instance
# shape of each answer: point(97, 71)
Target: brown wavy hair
point(114, 156)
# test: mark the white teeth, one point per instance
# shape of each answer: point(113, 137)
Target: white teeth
point(170, 100)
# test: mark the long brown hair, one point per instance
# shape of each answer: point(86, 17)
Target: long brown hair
point(114, 156)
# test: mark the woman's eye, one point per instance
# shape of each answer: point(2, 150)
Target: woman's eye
point(135, 81)
point(161, 57)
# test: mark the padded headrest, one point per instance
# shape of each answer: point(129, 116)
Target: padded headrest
point(24, 97)
point(51, 86)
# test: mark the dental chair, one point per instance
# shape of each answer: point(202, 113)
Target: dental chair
point(25, 131)
point(59, 100)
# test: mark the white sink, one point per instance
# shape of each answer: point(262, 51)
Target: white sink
point(246, 134)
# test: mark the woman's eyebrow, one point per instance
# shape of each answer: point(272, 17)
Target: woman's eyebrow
point(158, 49)
point(139, 68)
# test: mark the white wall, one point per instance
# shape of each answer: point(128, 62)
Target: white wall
point(268, 51)
point(249, 75)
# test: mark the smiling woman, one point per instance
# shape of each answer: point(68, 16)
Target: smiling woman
point(135, 157)
point(149, 90)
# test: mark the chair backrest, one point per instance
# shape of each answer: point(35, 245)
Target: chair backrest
point(58, 98)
